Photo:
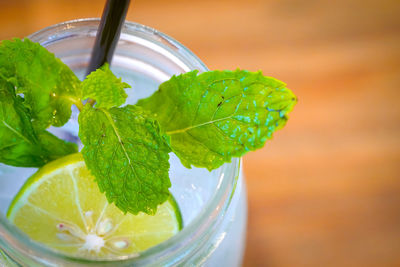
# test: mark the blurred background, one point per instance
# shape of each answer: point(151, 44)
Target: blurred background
point(326, 190)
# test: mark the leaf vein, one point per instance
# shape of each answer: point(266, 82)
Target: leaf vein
point(115, 130)
point(203, 145)
point(16, 132)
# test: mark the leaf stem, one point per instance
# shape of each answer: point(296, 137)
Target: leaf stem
point(79, 105)
point(76, 101)
point(91, 102)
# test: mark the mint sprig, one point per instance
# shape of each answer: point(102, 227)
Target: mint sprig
point(49, 86)
point(21, 144)
point(102, 85)
point(126, 152)
point(205, 119)
point(218, 115)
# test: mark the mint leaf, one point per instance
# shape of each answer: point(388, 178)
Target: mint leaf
point(218, 115)
point(53, 147)
point(105, 88)
point(127, 154)
point(20, 144)
point(48, 85)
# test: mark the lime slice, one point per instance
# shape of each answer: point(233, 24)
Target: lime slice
point(62, 207)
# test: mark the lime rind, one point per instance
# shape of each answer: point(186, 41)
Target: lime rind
point(178, 214)
point(44, 171)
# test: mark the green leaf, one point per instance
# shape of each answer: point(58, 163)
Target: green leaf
point(218, 115)
point(127, 154)
point(20, 144)
point(104, 87)
point(48, 85)
point(54, 147)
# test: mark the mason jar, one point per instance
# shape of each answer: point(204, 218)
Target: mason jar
point(213, 204)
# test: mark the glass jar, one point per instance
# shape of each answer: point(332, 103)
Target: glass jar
point(213, 204)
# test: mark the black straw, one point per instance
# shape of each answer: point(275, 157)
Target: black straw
point(108, 33)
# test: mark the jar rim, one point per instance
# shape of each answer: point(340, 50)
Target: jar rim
point(191, 237)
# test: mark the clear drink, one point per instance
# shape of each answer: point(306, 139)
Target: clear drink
point(213, 204)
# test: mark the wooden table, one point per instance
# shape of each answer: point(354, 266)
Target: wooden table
point(326, 190)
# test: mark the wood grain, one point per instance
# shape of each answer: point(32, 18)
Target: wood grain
point(326, 190)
